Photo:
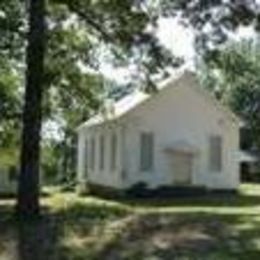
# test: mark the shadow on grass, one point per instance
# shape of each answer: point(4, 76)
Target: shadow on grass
point(34, 239)
point(207, 200)
point(161, 236)
point(54, 235)
point(12, 196)
point(85, 230)
point(38, 239)
point(110, 232)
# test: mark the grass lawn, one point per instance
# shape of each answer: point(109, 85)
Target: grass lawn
point(72, 227)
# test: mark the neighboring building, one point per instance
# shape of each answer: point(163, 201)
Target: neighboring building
point(249, 156)
point(249, 166)
point(8, 181)
point(179, 136)
point(8, 173)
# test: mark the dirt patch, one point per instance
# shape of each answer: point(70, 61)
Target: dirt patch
point(184, 238)
point(166, 237)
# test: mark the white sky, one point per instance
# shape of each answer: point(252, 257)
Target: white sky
point(177, 38)
point(245, 32)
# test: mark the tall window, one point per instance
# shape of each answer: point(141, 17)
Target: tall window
point(93, 153)
point(215, 153)
point(89, 154)
point(101, 152)
point(113, 147)
point(146, 151)
point(86, 156)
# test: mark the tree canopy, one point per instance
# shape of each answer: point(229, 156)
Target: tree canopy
point(85, 33)
point(232, 74)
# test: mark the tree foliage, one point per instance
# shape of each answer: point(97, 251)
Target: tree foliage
point(80, 31)
point(11, 50)
point(213, 20)
point(233, 74)
point(78, 34)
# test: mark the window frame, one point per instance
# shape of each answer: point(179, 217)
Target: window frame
point(93, 153)
point(146, 159)
point(215, 161)
point(113, 151)
point(101, 152)
point(86, 155)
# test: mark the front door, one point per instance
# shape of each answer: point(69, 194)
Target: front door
point(182, 168)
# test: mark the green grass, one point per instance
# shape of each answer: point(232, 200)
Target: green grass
point(75, 228)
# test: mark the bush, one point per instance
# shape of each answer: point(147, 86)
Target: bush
point(139, 189)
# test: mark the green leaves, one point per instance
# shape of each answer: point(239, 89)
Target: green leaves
point(233, 73)
point(120, 20)
point(12, 28)
point(10, 105)
point(213, 20)
point(126, 29)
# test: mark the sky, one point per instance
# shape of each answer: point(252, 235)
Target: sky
point(175, 37)
point(179, 40)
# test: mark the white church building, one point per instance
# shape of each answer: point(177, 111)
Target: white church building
point(180, 136)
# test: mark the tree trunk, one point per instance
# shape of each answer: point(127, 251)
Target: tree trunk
point(28, 187)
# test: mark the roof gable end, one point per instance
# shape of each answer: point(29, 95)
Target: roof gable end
point(137, 98)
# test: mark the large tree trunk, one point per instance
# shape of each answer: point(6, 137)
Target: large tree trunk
point(28, 189)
